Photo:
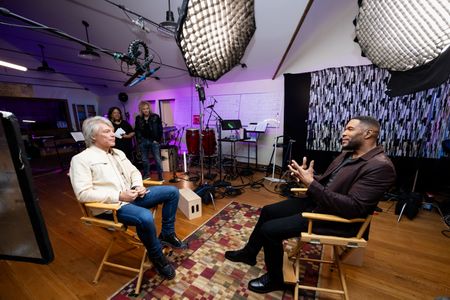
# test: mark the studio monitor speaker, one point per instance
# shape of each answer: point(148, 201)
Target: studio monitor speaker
point(123, 97)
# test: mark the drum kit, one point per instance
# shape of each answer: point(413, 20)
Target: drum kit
point(172, 136)
point(209, 143)
point(201, 143)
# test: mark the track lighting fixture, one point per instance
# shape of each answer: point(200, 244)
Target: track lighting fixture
point(169, 23)
point(44, 67)
point(88, 53)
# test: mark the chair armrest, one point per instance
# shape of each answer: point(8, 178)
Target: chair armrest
point(324, 217)
point(151, 182)
point(332, 218)
point(299, 190)
point(103, 223)
point(352, 242)
point(109, 206)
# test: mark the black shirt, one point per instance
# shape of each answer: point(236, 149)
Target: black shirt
point(126, 145)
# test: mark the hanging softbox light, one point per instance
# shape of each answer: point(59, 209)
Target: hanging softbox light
point(213, 35)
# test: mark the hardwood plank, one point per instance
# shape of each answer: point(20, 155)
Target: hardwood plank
point(406, 260)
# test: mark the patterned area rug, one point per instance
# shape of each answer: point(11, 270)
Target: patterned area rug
point(204, 273)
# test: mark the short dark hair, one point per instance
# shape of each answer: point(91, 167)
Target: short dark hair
point(370, 121)
point(110, 111)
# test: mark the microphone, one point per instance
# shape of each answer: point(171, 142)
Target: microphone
point(214, 103)
point(143, 76)
point(201, 92)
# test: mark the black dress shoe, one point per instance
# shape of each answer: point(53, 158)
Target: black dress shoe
point(264, 285)
point(173, 241)
point(163, 267)
point(241, 256)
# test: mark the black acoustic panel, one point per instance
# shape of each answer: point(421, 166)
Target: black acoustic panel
point(296, 105)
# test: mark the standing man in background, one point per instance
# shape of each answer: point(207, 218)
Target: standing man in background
point(148, 129)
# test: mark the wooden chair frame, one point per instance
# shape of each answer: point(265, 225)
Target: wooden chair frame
point(340, 246)
point(292, 271)
point(117, 229)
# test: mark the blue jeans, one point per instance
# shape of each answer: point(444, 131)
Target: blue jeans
point(137, 214)
point(147, 146)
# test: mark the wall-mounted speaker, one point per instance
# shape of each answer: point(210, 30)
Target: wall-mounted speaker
point(123, 97)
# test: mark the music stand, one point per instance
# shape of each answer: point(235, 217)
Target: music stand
point(235, 125)
point(230, 124)
point(78, 137)
point(220, 182)
point(251, 134)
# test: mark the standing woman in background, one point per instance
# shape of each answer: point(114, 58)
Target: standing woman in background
point(148, 128)
point(124, 137)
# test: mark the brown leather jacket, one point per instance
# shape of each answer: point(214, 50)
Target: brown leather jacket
point(357, 187)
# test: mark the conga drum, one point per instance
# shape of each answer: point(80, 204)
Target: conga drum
point(209, 141)
point(193, 141)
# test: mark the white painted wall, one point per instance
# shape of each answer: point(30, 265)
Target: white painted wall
point(325, 39)
point(187, 104)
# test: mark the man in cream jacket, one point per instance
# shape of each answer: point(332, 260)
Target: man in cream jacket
point(102, 173)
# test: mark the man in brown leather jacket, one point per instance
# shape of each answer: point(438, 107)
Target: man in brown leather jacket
point(351, 188)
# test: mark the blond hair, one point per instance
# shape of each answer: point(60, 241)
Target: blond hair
point(141, 106)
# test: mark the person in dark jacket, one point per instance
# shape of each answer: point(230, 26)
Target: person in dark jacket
point(148, 129)
point(124, 136)
point(350, 188)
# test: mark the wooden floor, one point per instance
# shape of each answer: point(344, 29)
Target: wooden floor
point(406, 260)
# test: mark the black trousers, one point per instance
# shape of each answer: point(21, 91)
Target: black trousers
point(277, 222)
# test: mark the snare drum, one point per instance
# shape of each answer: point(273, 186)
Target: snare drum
point(193, 141)
point(209, 141)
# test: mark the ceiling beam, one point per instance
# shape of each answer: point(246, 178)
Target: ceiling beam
point(46, 85)
point(299, 25)
point(83, 64)
point(55, 80)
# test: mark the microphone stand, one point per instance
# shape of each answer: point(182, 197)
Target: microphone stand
point(220, 182)
point(201, 104)
point(209, 175)
point(174, 164)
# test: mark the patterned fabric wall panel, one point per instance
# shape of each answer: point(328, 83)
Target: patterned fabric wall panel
point(412, 126)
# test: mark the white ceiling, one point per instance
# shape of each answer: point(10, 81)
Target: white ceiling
point(111, 29)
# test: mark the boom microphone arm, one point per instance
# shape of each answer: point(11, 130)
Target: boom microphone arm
point(130, 59)
point(55, 31)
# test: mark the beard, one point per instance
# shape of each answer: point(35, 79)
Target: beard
point(352, 145)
